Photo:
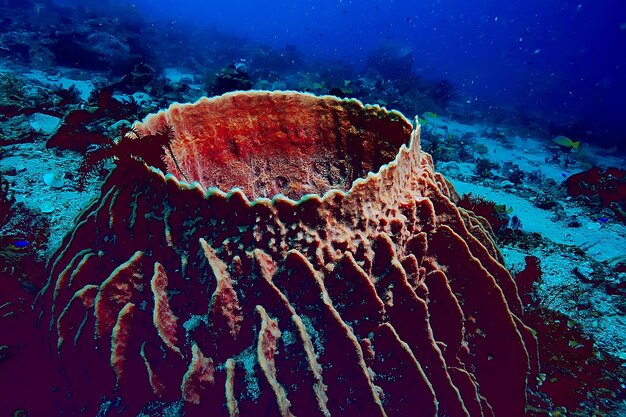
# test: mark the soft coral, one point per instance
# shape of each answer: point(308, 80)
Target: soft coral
point(129, 148)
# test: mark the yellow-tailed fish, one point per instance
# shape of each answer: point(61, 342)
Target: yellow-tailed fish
point(567, 142)
point(430, 115)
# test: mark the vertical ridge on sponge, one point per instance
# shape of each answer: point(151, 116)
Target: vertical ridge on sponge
point(163, 318)
point(119, 339)
point(155, 383)
point(224, 302)
point(377, 299)
point(71, 321)
point(399, 375)
point(267, 348)
point(199, 375)
point(231, 400)
point(408, 314)
point(115, 292)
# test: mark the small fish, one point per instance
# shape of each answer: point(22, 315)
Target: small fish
point(567, 142)
point(430, 115)
point(574, 344)
point(19, 244)
point(503, 209)
point(603, 220)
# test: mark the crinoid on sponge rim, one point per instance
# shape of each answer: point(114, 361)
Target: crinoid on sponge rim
point(317, 266)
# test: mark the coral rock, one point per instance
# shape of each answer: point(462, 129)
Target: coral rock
point(316, 266)
point(608, 186)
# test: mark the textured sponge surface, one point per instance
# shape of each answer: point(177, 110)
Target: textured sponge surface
point(377, 298)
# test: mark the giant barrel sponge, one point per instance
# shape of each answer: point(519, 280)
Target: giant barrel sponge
point(299, 257)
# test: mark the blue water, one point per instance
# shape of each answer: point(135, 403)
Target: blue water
point(561, 59)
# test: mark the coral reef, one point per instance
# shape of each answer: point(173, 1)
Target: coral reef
point(22, 234)
point(337, 277)
point(6, 201)
point(82, 128)
point(20, 96)
point(574, 373)
point(605, 188)
point(12, 91)
point(233, 77)
point(496, 216)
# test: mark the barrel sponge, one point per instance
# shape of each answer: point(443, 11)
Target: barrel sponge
point(299, 258)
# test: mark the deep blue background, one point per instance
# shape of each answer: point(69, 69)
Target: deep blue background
point(558, 58)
